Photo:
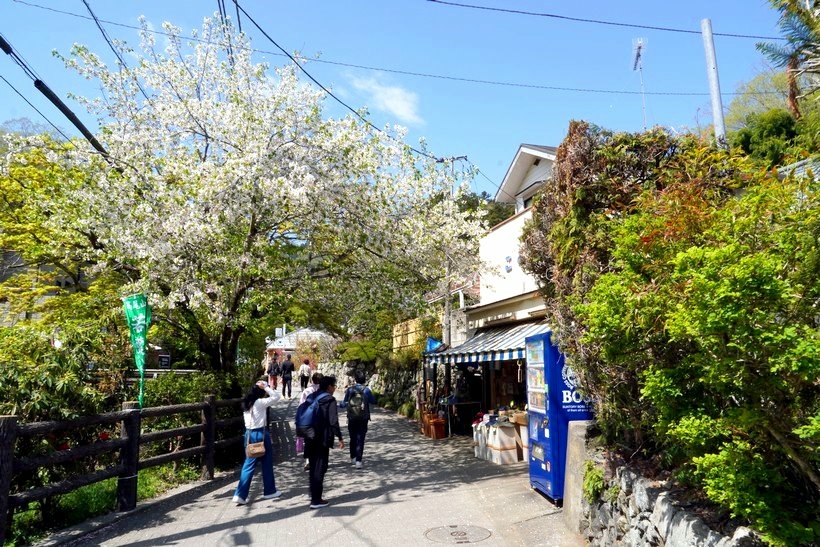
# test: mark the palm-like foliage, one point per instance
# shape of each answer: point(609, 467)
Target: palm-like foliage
point(801, 52)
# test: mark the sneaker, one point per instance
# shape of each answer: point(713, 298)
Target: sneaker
point(352, 460)
point(272, 496)
point(358, 465)
point(319, 504)
point(239, 501)
point(307, 467)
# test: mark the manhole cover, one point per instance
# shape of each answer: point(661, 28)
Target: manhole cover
point(457, 534)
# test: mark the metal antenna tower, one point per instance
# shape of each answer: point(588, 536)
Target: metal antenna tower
point(638, 47)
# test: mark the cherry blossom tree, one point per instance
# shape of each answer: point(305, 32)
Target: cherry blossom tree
point(228, 192)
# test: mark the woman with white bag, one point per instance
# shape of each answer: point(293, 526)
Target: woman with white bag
point(257, 436)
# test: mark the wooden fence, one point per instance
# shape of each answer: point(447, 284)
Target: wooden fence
point(127, 446)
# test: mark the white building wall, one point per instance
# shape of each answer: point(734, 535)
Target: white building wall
point(502, 276)
point(536, 174)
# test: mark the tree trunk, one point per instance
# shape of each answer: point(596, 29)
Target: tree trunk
point(791, 74)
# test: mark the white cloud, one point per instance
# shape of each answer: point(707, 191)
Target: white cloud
point(394, 100)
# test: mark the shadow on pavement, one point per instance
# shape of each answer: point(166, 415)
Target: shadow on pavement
point(399, 464)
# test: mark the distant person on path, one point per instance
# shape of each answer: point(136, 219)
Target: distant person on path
point(357, 401)
point(318, 448)
point(255, 407)
point(287, 376)
point(304, 374)
point(312, 388)
point(271, 367)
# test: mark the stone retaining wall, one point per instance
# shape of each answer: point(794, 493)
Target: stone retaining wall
point(640, 513)
point(645, 514)
point(395, 384)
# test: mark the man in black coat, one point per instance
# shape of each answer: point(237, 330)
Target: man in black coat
point(287, 376)
point(327, 430)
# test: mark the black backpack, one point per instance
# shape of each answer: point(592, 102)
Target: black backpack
point(356, 404)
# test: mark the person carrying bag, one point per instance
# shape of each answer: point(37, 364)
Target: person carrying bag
point(258, 445)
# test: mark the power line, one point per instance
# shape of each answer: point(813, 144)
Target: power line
point(408, 72)
point(43, 88)
point(57, 129)
point(322, 87)
point(111, 45)
point(599, 22)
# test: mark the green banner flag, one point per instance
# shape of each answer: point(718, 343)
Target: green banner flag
point(138, 315)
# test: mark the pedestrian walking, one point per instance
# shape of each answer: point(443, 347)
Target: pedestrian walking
point(357, 401)
point(271, 367)
point(312, 388)
point(304, 374)
point(287, 376)
point(255, 406)
point(326, 430)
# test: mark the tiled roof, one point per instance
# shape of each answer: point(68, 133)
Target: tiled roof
point(801, 168)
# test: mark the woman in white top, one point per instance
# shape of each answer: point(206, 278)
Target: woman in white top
point(255, 406)
point(304, 374)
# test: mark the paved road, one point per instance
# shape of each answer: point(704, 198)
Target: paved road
point(411, 491)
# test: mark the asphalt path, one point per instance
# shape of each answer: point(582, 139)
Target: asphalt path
point(411, 490)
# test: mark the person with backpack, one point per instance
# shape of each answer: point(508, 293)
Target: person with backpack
point(320, 428)
point(287, 377)
point(255, 406)
point(358, 399)
point(312, 388)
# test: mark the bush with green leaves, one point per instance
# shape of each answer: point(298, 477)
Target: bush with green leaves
point(683, 284)
point(94, 500)
point(593, 483)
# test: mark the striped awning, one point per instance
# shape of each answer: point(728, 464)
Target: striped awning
point(490, 344)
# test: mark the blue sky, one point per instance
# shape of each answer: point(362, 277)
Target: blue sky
point(449, 43)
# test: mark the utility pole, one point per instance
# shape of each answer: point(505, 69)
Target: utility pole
point(714, 82)
point(637, 64)
point(447, 327)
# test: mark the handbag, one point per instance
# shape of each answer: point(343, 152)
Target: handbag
point(300, 445)
point(254, 450)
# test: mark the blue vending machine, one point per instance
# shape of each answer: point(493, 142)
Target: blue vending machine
point(552, 402)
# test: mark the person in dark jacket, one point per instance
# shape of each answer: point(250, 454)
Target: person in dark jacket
point(287, 376)
point(358, 399)
point(327, 430)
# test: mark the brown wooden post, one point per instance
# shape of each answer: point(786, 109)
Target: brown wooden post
point(208, 437)
point(8, 434)
point(129, 457)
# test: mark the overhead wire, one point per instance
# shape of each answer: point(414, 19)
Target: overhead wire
point(57, 129)
point(223, 16)
point(406, 72)
point(114, 49)
point(240, 9)
point(43, 88)
point(322, 87)
point(17, 59)
point(600, 22)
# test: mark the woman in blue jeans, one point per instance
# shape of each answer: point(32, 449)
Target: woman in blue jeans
point(255, 406)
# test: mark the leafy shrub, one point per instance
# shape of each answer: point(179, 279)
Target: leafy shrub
point(94, 500)
point(593, 484)
point(407, 409)
point(682, 283)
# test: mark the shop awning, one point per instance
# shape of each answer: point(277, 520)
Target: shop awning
point(490, 344)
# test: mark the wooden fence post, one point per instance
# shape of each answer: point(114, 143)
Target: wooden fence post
point(129, 457)
point(208, 437)
point(8, 434)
